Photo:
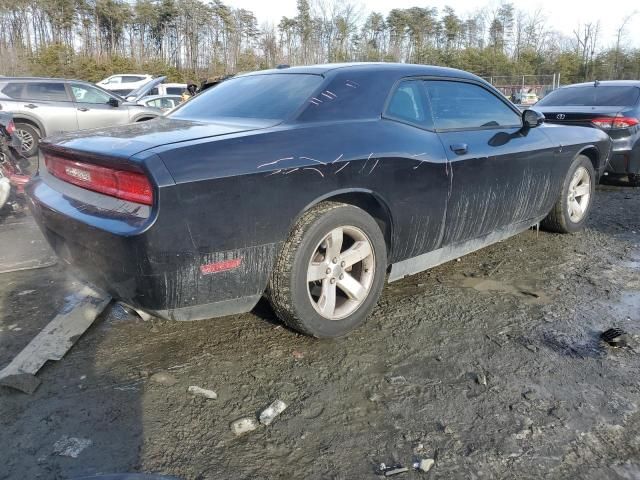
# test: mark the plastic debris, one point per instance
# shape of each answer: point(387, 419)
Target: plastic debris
point(202, 392)
point(71, 446)
point(424, 465)
point(391, 470)
point(244, 425)
point(270, 413)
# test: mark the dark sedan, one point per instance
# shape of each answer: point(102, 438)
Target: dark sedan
point(612, 106)
point(310, 185)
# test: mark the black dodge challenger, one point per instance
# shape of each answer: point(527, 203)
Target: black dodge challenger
point(311, 186)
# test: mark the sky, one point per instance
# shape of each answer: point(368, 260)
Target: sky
point(563, 15)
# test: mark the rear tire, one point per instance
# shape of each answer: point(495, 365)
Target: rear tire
point(572, 208)
point(329, 275)
point(30, 137)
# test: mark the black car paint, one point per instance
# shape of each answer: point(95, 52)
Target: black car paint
point(235, 190)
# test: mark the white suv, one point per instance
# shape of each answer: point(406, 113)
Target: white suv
point(123, 84)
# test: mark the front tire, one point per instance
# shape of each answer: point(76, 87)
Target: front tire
point(571, 210)
point(330, 272)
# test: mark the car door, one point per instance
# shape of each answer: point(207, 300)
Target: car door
point(94, 109)
point(46, 102)
point(420, 203)
point(501, 174)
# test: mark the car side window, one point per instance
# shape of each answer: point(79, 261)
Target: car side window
point(131, 79)
point(87, 94)
point(175, 90)
point(461, 105)
point(14, 90)
point(45, 91)
point(408, 103)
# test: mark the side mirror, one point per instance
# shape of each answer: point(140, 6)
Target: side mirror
point(113, 102)
point(532, 118)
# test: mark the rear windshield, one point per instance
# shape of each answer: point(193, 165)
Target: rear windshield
point(268, 97)
point(599, 96)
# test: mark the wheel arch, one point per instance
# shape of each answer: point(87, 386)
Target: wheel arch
point(29, 120)
point(365, 199)
point(592, 153)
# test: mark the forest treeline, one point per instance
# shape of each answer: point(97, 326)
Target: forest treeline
point(194, 39)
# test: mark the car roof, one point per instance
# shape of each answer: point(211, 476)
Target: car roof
point(41, 79)
point(403, 69)
point(605, 83)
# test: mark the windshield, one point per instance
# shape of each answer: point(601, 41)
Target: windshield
point(592, 96)
point(268, 97)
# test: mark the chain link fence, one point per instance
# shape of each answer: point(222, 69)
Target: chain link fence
point(525, 90)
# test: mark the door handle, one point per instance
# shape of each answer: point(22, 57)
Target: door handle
point(83, 109)
point(460, 148)
point(31, 105)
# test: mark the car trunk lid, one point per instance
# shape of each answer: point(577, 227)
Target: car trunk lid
point(123, 142)
point(577, 115)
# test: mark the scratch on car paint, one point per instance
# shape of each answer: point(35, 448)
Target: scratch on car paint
point(291, 171)
point(275, 172)
point(374, 166)
point(327, 95)
point(337, 158)
point(313, 160)
point(315, 170)
point(419, 159)
point(365, 163)
point(352, 84)
point(314, 102)
point(331, 93)
point(316, 99)
point(191, 236)
point(275, 161)
point(342, 168)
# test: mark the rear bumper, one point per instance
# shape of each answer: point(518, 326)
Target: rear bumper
point(148, 263)
point(624, 162)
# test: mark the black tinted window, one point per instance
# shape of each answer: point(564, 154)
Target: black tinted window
point(274, 96)
point(174, 90)
point(466, 105)
point(46, 91)
point(408, 103)
point(599, 96)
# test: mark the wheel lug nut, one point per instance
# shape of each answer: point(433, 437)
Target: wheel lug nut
point(333, 280)
point(328, 271)
point(341, 276)
point(335, 260)
point(343, 264)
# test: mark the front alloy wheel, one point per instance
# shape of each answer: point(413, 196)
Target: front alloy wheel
point(579, 195)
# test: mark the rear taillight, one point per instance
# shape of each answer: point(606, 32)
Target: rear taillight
point(11, 127)
point(122, 184)
point(607, 123)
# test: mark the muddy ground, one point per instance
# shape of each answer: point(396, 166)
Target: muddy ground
point(490, 365)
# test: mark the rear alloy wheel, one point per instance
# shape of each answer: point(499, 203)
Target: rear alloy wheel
point(331, 270)
point(571, 210)
point(30, 139)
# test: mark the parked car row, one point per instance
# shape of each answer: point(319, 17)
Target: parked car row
point(124, 84)
point(46, 106)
